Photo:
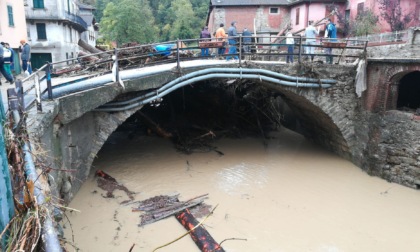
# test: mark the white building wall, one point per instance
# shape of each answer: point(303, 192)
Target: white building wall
point(62, 38)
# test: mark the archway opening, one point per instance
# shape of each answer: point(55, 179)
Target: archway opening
point(409, 92)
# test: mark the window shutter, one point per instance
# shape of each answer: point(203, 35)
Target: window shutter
point(10, 14)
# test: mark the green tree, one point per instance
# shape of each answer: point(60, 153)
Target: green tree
point(128, 21)
point(366, 23)
point(183, 26)
point(100, 7)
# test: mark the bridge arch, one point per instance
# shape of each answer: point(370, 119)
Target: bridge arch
point(409, 91)
point(325, 116)
point(389, 85)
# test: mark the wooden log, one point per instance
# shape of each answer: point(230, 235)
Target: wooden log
point(92, 49)
point(154, 126)
point(200, 236)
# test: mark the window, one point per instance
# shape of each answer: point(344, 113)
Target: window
point(360, 8)
point(10, 14)
point(41, 31)
point(347, 16)
point(274, 10)
point(297, 15)
point(39, 4)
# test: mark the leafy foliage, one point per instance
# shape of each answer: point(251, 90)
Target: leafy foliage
point(366, 23)
point(128, 21)
point(172, 19)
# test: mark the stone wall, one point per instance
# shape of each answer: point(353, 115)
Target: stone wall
point(391, 146)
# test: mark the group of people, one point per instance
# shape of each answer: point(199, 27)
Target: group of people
point(310, 35)
point(7, 55)
point(232, 39)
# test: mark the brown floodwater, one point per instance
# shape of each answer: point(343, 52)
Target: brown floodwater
point(290, 195)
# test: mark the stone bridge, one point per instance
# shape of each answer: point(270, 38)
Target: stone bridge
point(357, 122)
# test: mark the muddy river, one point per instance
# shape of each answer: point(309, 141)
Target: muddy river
point(290, 195)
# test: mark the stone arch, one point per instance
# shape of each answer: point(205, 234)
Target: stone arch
point(397, 75)
point(324, 123)
point(409, 91)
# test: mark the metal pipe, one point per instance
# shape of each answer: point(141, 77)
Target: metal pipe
point(132, 74)
point(211, 76)
point(49, 235)
point(223, 70)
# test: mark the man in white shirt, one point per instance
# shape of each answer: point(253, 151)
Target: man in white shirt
point(310, 34)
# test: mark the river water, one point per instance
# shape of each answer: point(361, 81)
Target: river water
point(290, 195)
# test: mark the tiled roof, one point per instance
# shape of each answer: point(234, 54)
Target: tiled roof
point(267, 2)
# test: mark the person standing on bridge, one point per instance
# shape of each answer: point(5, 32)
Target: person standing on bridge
point(247, 39)
point(7, 57)
point(25, 56)
point(331, 34)
point(290, 41)
point(310, 34)
point(233, 40)
point(6, 75)
point(221, 36)
point(205, 36)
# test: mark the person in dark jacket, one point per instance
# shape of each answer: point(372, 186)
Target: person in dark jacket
point(26, 54)
point(331, 34)
point(206, 36)
point(233, 40)
point(247, 39)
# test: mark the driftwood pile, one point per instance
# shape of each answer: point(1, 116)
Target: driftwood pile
point(163, 206)
point(129, 55)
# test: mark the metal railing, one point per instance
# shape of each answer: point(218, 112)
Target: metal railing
point(382, 38)
point(178, 51)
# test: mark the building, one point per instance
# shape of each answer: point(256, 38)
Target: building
point(268, 17)
point(13, 25)
point(86, 12)
point(54, 29)
point(408, 7)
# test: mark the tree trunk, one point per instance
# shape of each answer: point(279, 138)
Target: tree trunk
point(92, 49)
point(200, 236)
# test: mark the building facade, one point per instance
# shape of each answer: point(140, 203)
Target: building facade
point(266, 17)
point(13, 25)
point(408, 7)
point(54, 29)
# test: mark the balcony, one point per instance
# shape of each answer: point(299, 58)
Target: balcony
point(45, 15)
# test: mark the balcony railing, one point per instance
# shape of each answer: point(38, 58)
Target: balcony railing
point(76, 19)
point(43, 14)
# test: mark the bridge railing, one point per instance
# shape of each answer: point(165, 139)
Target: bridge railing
point(174, 52)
